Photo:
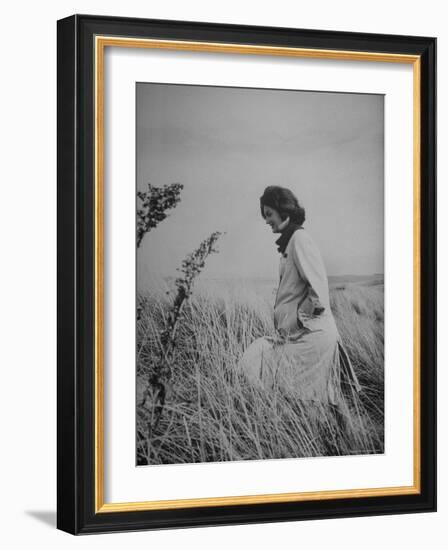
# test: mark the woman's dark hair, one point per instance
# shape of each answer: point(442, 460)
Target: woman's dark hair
point(284, 202)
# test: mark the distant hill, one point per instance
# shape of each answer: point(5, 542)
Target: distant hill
point(374, 279)
point(365, 280)
point(260, 286)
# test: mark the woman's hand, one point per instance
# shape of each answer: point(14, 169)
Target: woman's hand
point(309, 309)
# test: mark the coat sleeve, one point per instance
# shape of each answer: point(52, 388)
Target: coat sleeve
point(308, 261)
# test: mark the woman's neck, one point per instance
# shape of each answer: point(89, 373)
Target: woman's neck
point(283, 225)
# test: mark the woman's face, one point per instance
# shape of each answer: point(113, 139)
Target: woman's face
point(272, 218)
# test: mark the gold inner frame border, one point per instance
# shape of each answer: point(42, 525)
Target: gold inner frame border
point(100, 44)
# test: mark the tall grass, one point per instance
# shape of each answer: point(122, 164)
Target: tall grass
point(212, 413)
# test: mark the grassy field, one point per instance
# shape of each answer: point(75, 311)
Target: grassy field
point(211, 413)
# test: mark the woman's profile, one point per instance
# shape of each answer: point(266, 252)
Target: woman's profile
point(306, 355)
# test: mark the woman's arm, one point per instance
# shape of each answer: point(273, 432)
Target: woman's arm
point(310, 266)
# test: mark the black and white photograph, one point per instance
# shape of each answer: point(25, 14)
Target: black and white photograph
point(260, 274)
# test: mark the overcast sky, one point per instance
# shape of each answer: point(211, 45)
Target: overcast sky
point(225, 145)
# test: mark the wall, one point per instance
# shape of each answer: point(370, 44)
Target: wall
point(28, 274)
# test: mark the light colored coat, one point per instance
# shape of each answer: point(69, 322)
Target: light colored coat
point(306, 354)
point(302, 299)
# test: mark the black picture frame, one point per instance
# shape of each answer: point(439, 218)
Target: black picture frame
point(77, 511)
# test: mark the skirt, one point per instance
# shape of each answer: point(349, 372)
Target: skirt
point(309, 365)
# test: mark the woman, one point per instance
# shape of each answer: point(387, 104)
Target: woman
point(306, 355)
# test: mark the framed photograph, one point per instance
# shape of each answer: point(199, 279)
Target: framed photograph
point(246, 274)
